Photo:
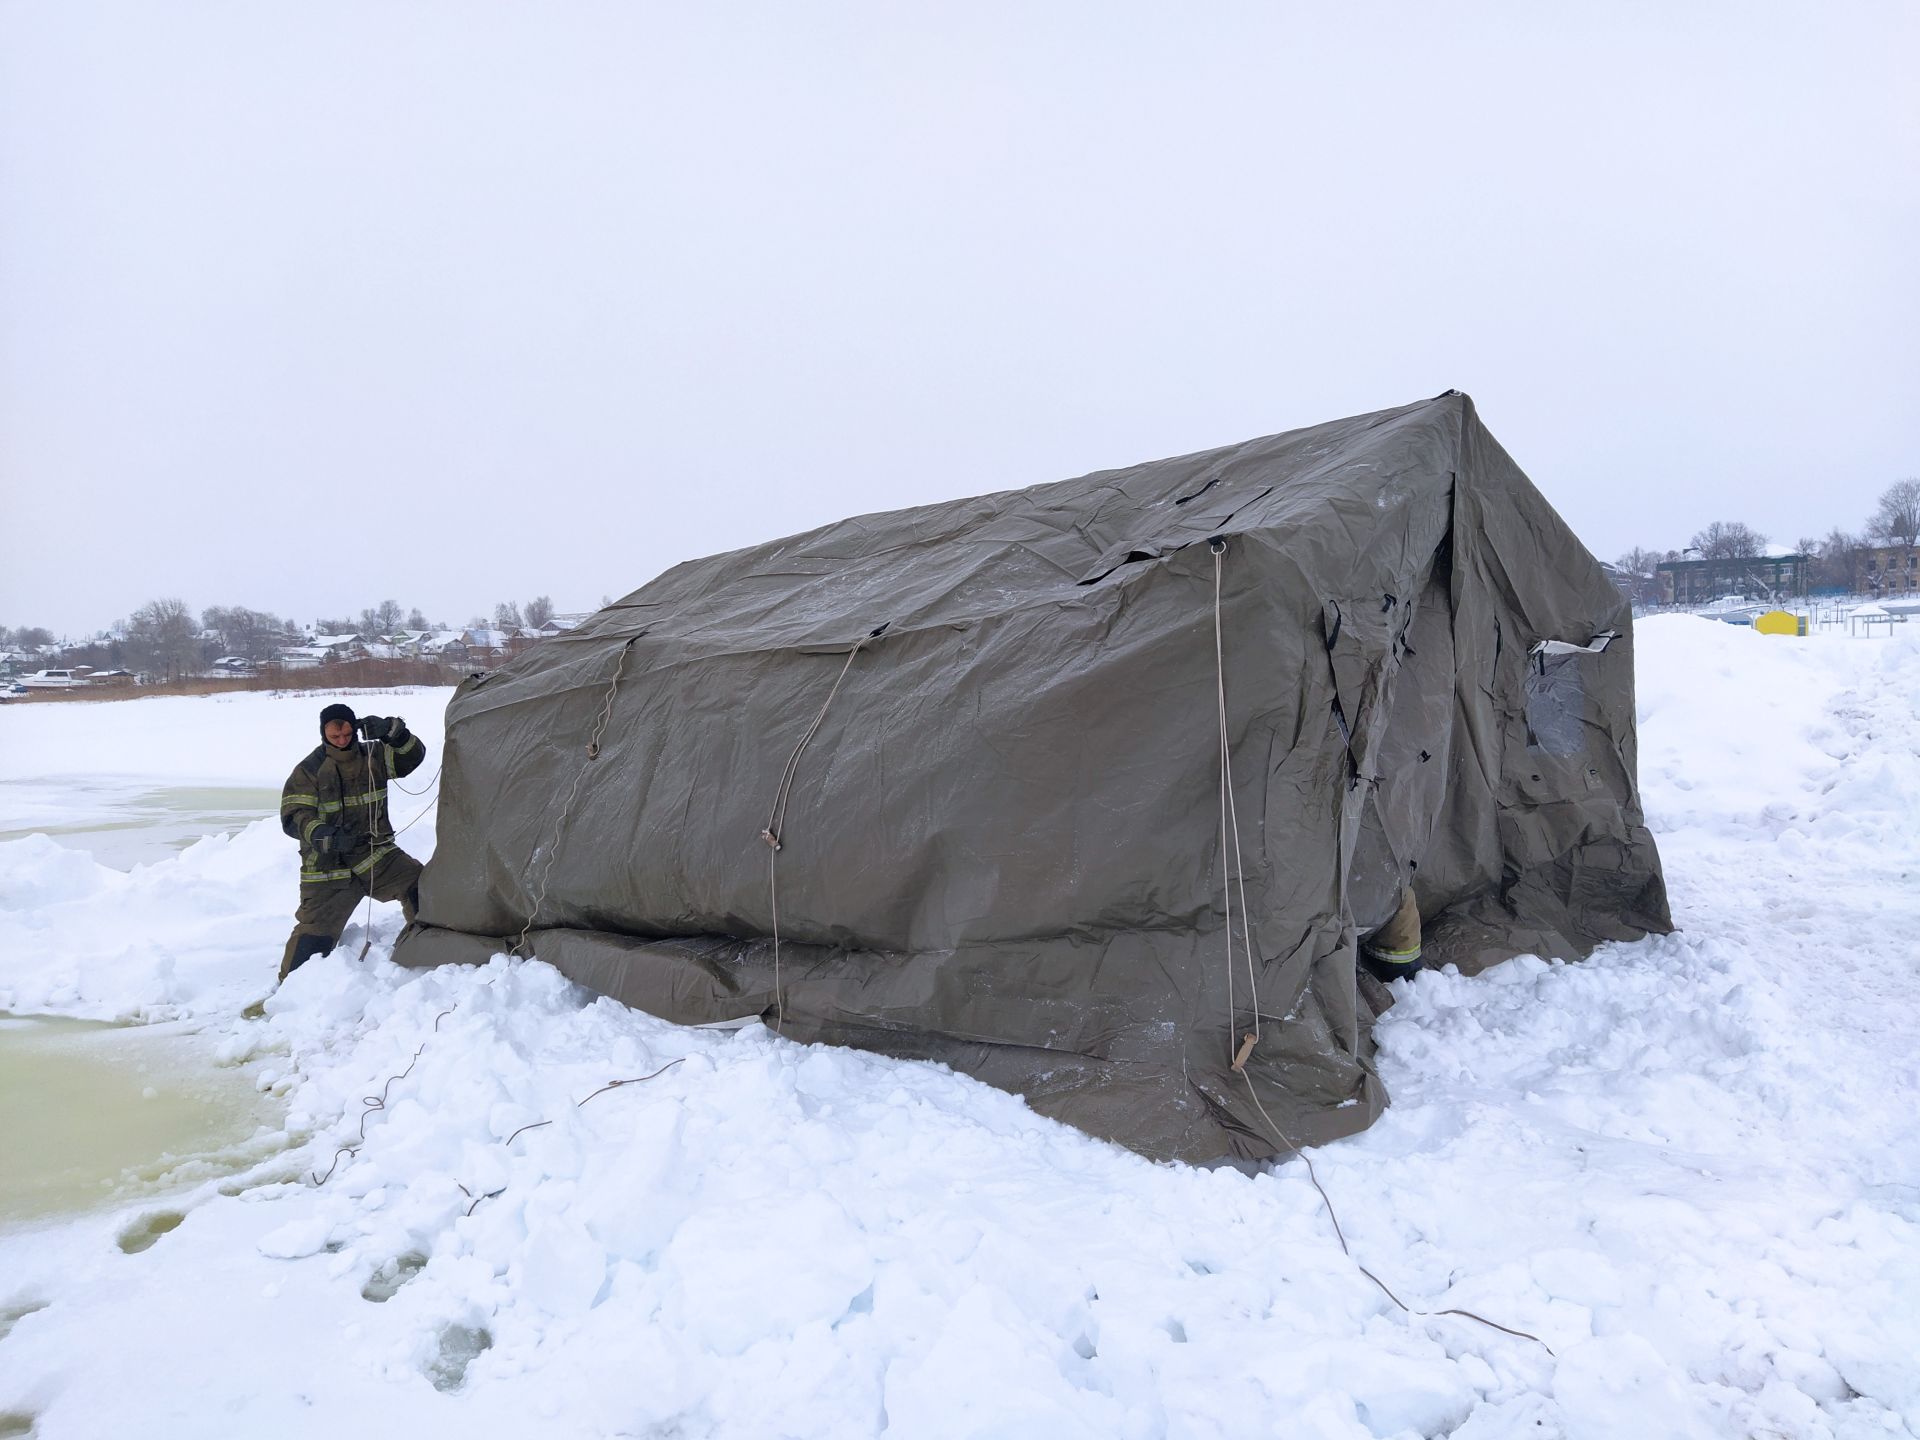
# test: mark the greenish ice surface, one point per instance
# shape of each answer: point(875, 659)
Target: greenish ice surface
point(124, 825)
point(94, 1115)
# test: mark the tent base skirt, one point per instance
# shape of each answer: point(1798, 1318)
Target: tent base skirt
point(1149, 1092)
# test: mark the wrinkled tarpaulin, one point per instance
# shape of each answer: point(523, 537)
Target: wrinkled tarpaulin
point(1002, 849)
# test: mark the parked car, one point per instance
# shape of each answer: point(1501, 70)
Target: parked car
point(11, 690)
point(52, 680)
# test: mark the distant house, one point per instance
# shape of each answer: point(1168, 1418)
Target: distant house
point(447, 645)
point(340, 647)
point(486, 645)
point(560, 624)
point(1768, 577)
point(301, 657)
point(1887, 570)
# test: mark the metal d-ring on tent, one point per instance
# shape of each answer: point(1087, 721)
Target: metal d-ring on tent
point(1093, 729)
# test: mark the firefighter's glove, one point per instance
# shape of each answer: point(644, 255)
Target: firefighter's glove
point(397, 732)
point(324, 839)
point(375, 727)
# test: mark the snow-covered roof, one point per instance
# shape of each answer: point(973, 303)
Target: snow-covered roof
point(334, 642)
point(487, 639)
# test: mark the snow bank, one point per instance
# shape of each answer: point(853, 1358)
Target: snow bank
point(199, 935)
point(1687, 1165)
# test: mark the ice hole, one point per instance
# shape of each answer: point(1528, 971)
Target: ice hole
point(386, 1281)
point(460, 1346)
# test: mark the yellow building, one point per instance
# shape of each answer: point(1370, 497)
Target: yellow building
point(1887, 570)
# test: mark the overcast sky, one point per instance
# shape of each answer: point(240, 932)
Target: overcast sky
point(305, 306)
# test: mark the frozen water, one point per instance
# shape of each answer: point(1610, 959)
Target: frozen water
point(94, 1114)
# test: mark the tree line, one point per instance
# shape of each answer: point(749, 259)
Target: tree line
point(164, 638)
point(1835, 559)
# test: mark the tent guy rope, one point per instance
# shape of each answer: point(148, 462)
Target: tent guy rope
point(566, 808)
point(777, 822)
point(1236, 878)
point(1229, 812)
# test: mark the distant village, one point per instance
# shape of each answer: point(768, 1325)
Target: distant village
point(163, 643)
point(477, 647)
point(1729, 569)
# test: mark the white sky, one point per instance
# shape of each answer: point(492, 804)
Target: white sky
point(303, 306)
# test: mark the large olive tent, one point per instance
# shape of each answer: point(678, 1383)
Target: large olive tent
point(987, 735)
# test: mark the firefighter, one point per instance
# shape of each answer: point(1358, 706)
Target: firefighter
point(335, 804)
point(1393, 951)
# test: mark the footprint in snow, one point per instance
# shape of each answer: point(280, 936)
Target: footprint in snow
point(145, 1232)
point(12, 1315)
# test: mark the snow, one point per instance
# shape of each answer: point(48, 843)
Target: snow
point(1688, 1165)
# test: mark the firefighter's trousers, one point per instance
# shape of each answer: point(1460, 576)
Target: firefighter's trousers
point(327, 905)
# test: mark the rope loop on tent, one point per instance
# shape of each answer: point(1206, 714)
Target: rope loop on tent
point(566, 808)
point(1230, 838)
point(777, 822)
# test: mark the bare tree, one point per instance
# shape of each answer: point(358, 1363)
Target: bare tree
point(253, 634)
point(539, 610)
point(1896, 518)
point(161, 638)
point(1729, 540)
point(27, 637)
point(381, 619)
point(1837, 559)
point(506, 616)
point(1640, 562)
point(416, 620)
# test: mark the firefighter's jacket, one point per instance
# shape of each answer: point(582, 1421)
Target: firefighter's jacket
point(347, 789)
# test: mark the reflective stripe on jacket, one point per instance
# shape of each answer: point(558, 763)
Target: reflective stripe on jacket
point(348, 790)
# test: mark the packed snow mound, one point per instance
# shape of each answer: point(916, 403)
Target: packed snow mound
point(1686, 1165)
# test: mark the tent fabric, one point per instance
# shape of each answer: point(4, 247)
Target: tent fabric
point(1002, 846)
